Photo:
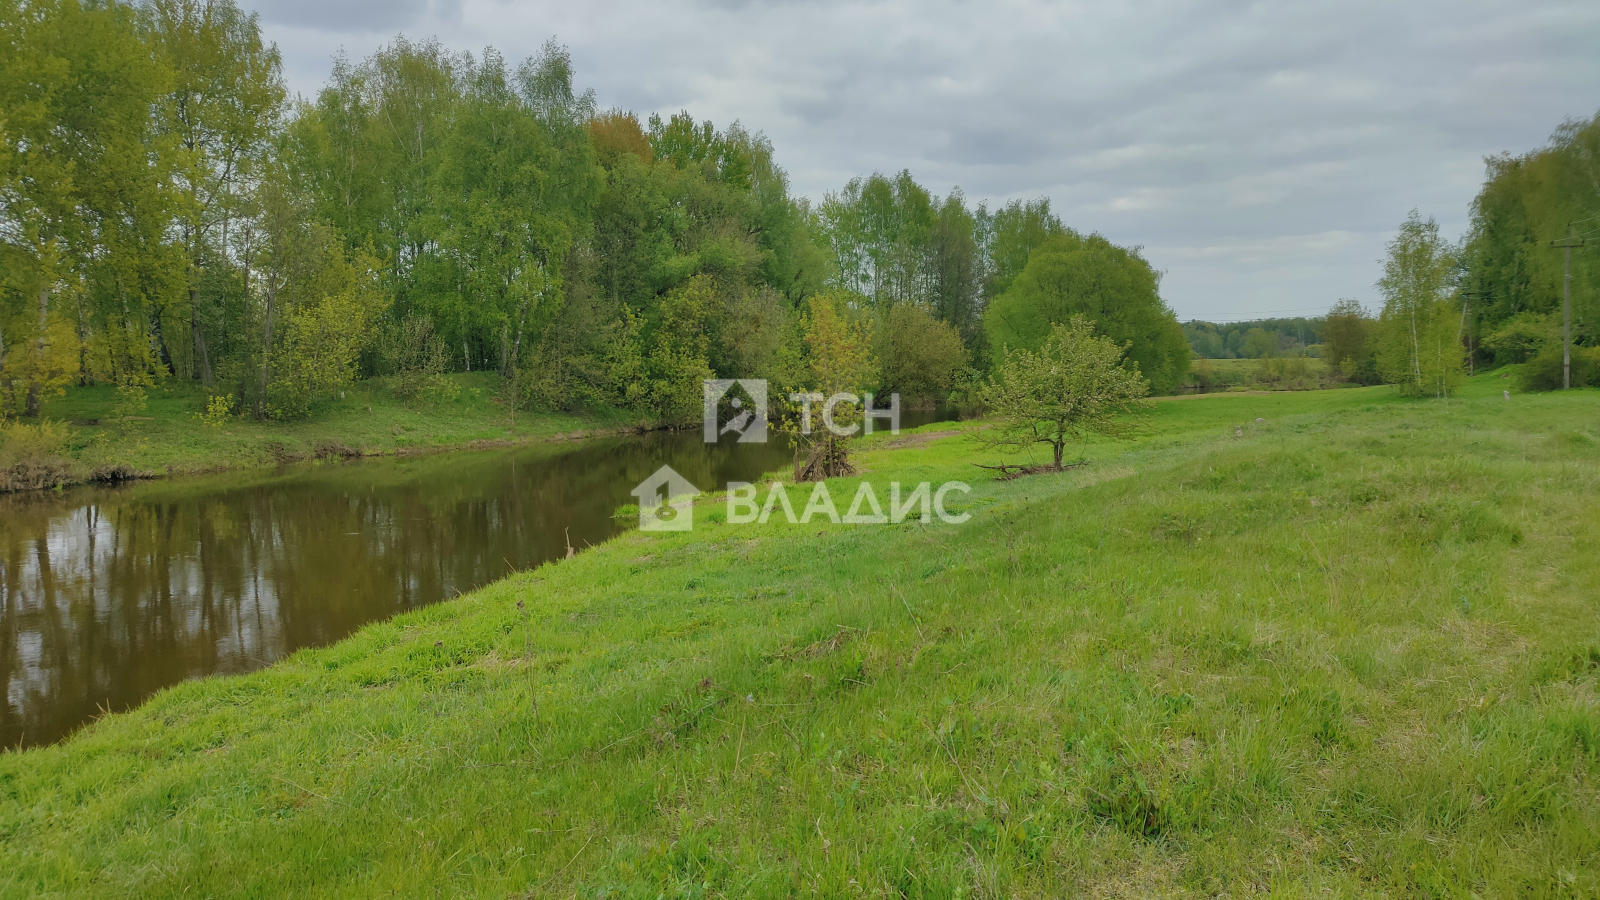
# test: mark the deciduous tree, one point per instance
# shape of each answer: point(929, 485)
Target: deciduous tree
point(1073, 386)
point(1419, 332)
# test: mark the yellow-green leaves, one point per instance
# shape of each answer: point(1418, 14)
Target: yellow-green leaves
point(1072, 386)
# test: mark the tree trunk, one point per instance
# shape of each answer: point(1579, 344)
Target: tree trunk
point(84, 377)
point(266, 355)
point(35, 380)
point(1059, 447)
point(5, 382)
point(158, 342)
point(516, 345)
point(1416, 349)
point(202, 359)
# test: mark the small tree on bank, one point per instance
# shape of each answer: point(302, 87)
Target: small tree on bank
point(837, 342)
point(1075, 385)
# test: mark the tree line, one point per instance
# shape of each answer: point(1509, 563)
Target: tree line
point(1496, 296)
point(169, 211)
point(1254, 338)
point(1493, 298)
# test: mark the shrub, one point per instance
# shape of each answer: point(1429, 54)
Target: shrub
point(219, 408)
point(131, 400)
point(1284, 371)
point(414, 357)
point(33, 457)
point(1521, 337)
point(1543, 372)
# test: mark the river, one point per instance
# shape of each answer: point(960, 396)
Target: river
point(108, 594)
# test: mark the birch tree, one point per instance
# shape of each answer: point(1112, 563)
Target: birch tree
point(1419, 345)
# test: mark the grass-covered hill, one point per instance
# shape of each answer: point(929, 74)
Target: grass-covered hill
point(90, 434)
point(1354, 650)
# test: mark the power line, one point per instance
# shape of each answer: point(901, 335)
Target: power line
point(1263, 314)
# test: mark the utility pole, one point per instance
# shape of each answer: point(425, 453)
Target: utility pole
point(1566, 308)
point(1466, 303)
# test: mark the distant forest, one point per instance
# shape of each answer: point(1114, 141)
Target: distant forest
point(1254, 339)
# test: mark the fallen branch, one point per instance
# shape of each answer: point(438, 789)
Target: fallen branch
point(1008, 471)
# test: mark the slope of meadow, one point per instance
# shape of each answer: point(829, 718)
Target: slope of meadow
point(1354, 651)
point(89, 436)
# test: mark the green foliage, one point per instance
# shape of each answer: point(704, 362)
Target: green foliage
point(1419, 346)
point(85, 182)
point(834, 356)
point(1544, 371)
point(1351, 342)
point(1293, 336)
point(34, 456)
point(370, 417)
point(132, 398)
point(221, 107)
point(220, 409)
point(920, 355)
point(1522, 336)
point(1014, 232)
point(838, 344)
point(1278, 373)
point(323, 340)
point(660, 367)
point(1527, 202)
point(173, 213)
point(893, 242)
point(415, 359)
point(1113, 287)
point(1260, 343)
point(879, 230)
point(1290, 372)
point(328, 301)
point(1073, 386)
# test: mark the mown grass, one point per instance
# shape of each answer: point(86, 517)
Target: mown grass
point(1355, 651)
point(168, 437)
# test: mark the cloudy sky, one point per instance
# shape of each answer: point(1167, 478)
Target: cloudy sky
point(1261, 153)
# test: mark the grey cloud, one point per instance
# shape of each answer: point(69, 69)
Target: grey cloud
point(358, 16)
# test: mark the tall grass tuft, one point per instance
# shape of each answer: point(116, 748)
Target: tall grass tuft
point(33, 457)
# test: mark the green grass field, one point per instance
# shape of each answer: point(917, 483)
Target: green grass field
point(1352, 652)
point(1283, 374)
point(167, 437)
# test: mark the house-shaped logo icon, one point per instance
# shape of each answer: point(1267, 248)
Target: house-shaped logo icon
point(748, 419)
point(666, 501)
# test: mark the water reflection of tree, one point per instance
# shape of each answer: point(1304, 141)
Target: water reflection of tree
point(107, 595)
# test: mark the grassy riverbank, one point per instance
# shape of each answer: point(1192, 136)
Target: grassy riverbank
point(168, 437)
point(1354, 651)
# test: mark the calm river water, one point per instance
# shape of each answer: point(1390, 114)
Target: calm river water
point(108, 595)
